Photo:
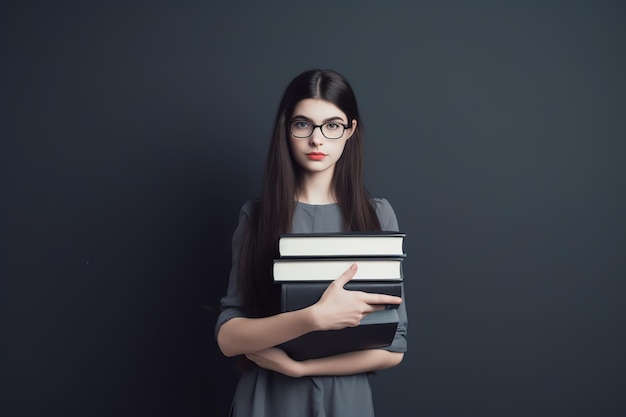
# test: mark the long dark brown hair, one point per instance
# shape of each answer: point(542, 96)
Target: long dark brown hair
point(274, 209)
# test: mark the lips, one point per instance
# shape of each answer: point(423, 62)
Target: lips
point(316, 156)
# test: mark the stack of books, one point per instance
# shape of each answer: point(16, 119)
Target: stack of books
point(308, 263)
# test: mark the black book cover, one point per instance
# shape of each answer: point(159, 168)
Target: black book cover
point(376, 330)
point(297, 295)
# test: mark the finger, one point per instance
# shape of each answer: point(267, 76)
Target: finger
point(347, 276)
point(374, 307)
point(371, 298)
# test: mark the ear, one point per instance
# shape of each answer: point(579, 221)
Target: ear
point(352, 129)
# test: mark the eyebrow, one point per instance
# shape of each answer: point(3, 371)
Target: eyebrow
point(330, 119)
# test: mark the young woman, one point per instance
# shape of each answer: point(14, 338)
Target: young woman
point(312, 183)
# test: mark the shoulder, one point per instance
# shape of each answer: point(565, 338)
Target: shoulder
point(246, 214)
point(386, 214)
point(247, 209)
point(383, 207)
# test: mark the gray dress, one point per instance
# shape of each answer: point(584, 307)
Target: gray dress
point(264, 393)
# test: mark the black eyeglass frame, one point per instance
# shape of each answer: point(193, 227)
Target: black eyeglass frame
point(345, 127)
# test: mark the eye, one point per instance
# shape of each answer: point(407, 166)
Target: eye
point(332, 126)
point(301, 124)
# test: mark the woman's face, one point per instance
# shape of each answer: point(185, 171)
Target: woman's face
point(317, 153)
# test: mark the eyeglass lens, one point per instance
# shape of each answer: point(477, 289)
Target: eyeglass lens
point(304, 129)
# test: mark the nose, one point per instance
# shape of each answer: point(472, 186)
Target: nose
point(316, 137)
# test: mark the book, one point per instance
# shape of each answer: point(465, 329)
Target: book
point(328, 269)
point(376, 330)
point(346, 244)
point(308, 262)
point(298, 295)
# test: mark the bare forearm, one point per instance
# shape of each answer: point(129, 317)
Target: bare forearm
point(337, 308)
point(242, 335)
point(351, 363)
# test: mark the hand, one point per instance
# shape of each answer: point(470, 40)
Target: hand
point(277, 360)
point(339, 308)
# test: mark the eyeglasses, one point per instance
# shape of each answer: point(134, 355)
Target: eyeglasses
point(303, 129)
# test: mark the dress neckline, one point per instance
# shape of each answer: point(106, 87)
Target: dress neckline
point(316, 205)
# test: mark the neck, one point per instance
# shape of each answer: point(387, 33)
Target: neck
point(316, 188)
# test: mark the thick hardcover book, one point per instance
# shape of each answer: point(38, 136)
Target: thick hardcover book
point(297, 295)
point(375, 244)
point(376, 330)
point(329, 269)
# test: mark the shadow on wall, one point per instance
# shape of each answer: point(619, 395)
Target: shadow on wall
point(208, 192)
point(180, 208)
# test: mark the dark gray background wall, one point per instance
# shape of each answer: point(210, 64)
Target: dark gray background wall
point(132, 133)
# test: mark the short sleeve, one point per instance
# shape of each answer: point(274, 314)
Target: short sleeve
point(231, 305)
point(389, 222)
